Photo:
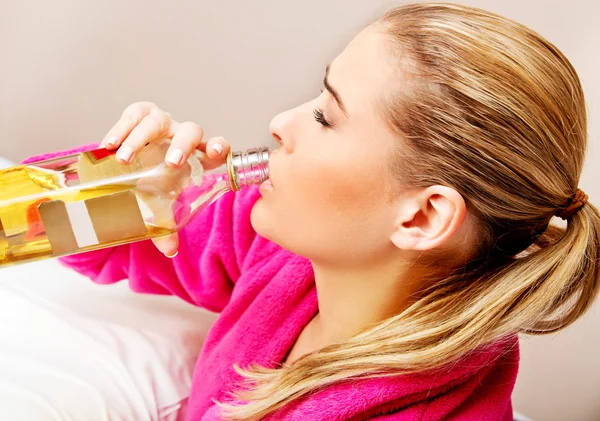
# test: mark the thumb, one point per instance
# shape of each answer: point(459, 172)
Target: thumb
point(167, 245)
point(163, 216)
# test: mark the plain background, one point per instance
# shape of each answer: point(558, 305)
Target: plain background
point(69, 67)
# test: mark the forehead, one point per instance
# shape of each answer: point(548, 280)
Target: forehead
point(363, 72)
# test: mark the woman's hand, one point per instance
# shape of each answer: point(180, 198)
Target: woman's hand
point(144, 122)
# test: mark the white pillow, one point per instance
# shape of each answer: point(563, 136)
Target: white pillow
point(5, 162)
point(74, 350)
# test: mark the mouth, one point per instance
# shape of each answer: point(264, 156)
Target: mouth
point(266, 186)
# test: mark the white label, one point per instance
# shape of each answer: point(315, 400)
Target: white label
point(83, 229)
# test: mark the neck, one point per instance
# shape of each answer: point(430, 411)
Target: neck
point(354, 299)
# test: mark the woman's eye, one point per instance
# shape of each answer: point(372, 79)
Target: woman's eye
point(320, 118)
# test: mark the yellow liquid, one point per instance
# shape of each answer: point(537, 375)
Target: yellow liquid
point(22, 236)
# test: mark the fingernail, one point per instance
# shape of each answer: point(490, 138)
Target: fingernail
point(217, 147)
point(175, 156)
point(112, 141)
point(125, 153)
point(176, 253)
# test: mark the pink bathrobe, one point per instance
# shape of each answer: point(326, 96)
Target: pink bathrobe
point(265, 296)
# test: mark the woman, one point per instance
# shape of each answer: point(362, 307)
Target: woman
point(404, 239)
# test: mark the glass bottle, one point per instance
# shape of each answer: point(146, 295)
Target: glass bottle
point(88, 200)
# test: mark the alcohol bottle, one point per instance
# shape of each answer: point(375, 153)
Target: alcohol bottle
point(87, 201)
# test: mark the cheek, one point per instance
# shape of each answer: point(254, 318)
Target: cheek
point(326, 208)
point(338, 187)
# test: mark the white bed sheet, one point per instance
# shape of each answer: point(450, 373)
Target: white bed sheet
point(73, 350)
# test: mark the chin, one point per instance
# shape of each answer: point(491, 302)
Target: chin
point(260, 219)
point(265, 223)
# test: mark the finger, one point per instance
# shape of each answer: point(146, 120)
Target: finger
point(154, 126)
point(167, 245)
point(131, 117)
point(216, 150)
point(187, 138)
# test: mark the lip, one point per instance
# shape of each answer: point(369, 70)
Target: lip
point(266, 186)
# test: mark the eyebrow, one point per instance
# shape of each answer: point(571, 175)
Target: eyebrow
point(332, 91)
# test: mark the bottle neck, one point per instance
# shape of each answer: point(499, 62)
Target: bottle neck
point(249, 167)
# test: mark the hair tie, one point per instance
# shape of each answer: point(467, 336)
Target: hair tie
point(577, 202)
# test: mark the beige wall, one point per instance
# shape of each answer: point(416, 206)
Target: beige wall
point(69, 67)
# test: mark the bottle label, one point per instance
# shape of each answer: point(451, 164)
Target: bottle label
point(105, 219)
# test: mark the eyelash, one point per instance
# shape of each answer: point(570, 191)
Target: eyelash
point(320, 118)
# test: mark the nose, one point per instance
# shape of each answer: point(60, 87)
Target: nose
point(281, 130)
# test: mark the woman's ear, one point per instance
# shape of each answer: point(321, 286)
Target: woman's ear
point(429, 218)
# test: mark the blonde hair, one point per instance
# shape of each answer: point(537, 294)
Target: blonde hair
point(498, 113)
